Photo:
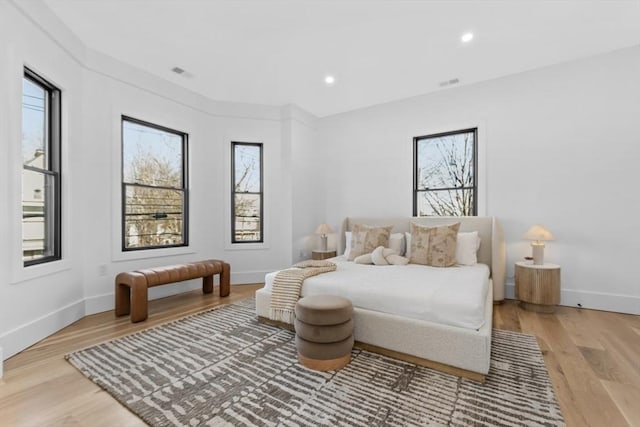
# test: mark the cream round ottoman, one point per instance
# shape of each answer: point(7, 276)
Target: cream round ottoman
point(324, 332)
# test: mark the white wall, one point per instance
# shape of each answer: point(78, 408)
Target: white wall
point(560, 148)
point(307, 169)
point(52, 291)
point(96, 91)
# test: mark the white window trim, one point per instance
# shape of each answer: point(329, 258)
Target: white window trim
point(266, 209)
point(117, 254)
point(18, 272)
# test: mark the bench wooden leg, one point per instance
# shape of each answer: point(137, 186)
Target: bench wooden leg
point(123, 301)
point(225, 277)
point(207, 284)
point(139, 298)
point(225, 280)
point(131, 295)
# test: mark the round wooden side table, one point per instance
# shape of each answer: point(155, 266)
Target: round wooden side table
point(319, 255)
point(538, 286)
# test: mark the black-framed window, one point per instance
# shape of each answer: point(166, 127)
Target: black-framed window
point(155, 196)
point(445, 170)
point(41, 195)
point(247, 197)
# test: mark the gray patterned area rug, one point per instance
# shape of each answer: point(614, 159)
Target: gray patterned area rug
point(222, 367)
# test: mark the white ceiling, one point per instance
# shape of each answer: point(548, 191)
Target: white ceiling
point(277, 52)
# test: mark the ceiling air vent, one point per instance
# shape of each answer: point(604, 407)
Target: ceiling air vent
point(177, 70)
point(449, 82)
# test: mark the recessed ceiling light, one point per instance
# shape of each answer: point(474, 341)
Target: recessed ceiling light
point(467, 37)
point(329, 80)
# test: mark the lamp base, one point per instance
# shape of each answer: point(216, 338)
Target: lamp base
point(323, 243)
point(538, 253)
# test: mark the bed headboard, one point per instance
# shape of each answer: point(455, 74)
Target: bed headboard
point(492, 250)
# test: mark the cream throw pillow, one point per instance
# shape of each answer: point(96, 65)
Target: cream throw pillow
point(434, 246)
point(419, 244)
point(364, 239)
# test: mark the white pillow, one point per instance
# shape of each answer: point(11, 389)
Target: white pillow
point(407, 241)
point(467, 248)
point(347, 246)
point(396, 242)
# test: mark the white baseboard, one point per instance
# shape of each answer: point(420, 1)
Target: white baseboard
point(99, 303)
point(247, 277)
point(593, 300)
point(17, 339)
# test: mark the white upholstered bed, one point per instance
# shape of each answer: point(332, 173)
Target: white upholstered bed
point(445, 325)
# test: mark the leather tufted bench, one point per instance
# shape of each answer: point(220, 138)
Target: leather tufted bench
point(132, 287)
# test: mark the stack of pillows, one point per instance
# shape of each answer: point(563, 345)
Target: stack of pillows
point(441, 246)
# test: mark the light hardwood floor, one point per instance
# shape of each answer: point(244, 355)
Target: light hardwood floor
point(593, 358)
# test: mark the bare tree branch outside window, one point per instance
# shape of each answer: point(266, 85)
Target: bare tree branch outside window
point(445, 174)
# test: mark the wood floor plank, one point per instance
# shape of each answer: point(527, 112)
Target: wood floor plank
point(575, 322)
point(592, 399)
point(507, 317)
point(591, 357)
point(622, 344)
point(603, 364)
point(568, 400)
point(627, 398)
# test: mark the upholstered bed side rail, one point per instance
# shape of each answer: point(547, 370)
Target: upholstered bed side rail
point(492, 246)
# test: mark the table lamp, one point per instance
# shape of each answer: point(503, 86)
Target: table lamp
point(323, 230)
point(538, 234)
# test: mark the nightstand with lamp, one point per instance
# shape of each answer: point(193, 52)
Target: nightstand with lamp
point(323, 253)
point(537, 282)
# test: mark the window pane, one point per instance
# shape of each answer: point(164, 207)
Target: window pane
point(153, 217)
point(247, 217)
point(151, 156)
point(247, 168)
point(445, 203)
point(38, 215)
point(34, 124)
point(445, 161)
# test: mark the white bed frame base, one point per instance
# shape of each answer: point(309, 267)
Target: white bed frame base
point(460, 351)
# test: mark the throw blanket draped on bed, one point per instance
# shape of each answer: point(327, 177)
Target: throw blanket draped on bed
point(287, 284)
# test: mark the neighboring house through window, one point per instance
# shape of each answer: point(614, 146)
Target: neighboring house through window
point(155, 196)
point(445, 174)
point(247, 194)
point(41, 199)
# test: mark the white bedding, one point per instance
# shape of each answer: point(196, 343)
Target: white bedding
point(452, 296)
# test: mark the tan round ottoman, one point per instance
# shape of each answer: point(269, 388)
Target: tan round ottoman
point(324, 332)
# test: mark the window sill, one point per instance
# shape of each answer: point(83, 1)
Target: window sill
point(23, 274)
point(120, 256)
point(246, 246)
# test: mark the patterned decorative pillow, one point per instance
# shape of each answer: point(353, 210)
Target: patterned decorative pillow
point(434, 246)
point(364, 239)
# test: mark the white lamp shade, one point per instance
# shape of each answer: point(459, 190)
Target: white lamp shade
point(324, 229)
point(538, 233)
